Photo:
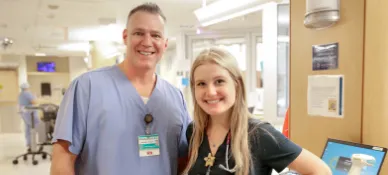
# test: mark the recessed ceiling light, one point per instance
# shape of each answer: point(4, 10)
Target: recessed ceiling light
point(40, 54)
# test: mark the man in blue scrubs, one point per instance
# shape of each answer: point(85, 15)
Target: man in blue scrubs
point(27, 99)
point(124, 119)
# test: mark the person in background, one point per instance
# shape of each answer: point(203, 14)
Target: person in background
point(124, 119)
point(224, 139)
point(27, 99)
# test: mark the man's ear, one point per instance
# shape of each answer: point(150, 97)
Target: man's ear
point(166, 44)
point(125, 36)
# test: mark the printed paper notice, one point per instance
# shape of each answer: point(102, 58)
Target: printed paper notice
point(325, 95)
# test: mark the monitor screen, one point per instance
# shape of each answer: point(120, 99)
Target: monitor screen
point(46, 66)
point(338, 156)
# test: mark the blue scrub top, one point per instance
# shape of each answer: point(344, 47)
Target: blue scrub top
point(25, 98)
point(102, 115)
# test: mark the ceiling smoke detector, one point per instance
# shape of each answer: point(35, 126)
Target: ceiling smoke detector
point(6, 43)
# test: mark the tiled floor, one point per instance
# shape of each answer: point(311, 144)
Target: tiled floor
point(12, 145)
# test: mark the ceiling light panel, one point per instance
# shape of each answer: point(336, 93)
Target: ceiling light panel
point(223, 10)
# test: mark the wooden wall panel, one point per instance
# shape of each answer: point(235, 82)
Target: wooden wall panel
point(311, 132)
point(375, 113)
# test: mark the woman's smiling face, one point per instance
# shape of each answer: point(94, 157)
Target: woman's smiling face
point(215, 90)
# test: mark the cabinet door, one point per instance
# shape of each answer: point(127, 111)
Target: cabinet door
point(8, 86)
point(9, 117)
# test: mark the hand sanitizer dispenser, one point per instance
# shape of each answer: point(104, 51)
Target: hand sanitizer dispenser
point(359, 161)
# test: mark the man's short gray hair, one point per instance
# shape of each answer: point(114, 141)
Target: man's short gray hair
point(148, 7)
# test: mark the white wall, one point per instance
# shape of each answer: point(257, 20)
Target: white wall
point(167, 70)
point(270, 52)
point(22, 69)
point(169, 66)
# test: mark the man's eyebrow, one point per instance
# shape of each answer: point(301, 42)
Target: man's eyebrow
point(151, 31)
point(138, 29)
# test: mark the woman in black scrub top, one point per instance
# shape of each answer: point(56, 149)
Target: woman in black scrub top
point(223, 138)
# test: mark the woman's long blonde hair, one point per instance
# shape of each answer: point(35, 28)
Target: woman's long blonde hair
point(239, 112)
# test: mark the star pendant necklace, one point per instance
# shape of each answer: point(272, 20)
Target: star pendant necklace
point(209, 160)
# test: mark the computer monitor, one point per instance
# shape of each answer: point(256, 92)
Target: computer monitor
point(343, 157)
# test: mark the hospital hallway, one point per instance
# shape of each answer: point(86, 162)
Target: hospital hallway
point(11, 145)
point(319, 77)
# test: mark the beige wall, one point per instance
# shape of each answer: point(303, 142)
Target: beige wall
point(375, 111)
point(58, 80)
point(57, 83)
point(69, 68)
point(362, 34)
point(9, 119)
point(62, 63)
point(9, 83)
point(310, 131)
point(19, 60)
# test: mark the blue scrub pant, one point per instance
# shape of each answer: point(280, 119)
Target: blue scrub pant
point(28, 125)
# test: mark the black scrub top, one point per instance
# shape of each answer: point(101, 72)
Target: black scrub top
point(270, 150)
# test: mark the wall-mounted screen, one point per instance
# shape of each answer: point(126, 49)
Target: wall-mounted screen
point(46, 66)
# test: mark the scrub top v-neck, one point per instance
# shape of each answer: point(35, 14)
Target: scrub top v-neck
point(270, 150)
point(204, 150)
point(102, 117)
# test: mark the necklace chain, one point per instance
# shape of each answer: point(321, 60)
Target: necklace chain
point(214, 145)
point(210, 158)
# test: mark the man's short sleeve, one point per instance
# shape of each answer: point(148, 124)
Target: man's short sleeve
point(183, 143)
point(276, 150)
point(71, 118)
point(30, 97)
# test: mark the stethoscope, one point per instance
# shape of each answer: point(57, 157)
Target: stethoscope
point(226, 160)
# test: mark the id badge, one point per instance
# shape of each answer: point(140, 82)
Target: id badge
point(149, 145)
